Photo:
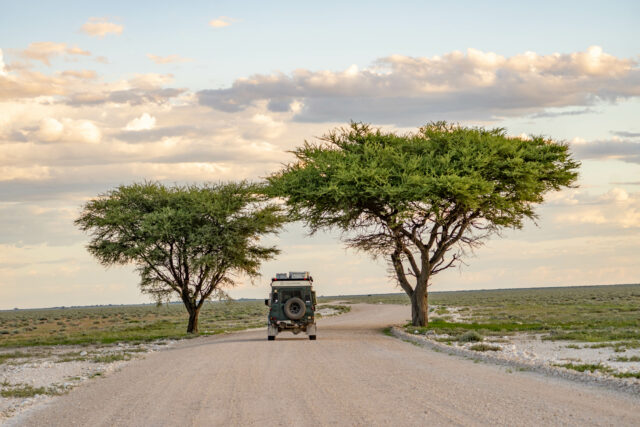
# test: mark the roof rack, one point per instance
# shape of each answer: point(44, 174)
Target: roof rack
point(293, 275)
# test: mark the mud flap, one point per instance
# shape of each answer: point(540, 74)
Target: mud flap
point(311, 329)
point(272, 330)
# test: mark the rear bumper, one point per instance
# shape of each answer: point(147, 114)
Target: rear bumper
point(291, 324)
point(274, 328)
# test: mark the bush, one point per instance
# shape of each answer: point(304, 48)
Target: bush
point(470, 336)
point(485, 347)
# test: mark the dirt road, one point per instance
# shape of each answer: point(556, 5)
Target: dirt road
point(352, 375)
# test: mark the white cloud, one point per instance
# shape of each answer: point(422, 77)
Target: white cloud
point(144, 122)
point(473, 85)
point(167, 59)
point(80, 74)
point(221, 21)
point(100, 27)
point(68, 130)
point(616, 208)
point(150, 81)
point(30, 173)
point(45, 51)
point(625, 150)
point(2, 66)
point(50, 130)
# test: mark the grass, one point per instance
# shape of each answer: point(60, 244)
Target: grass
point(110, 358)
point(625, 359)
point(603, 315)
point(25, 390)
point(14, 355)
point(583, 367)
point(387, 332)
point(485, 347)
point(470, 336)
point(106, 325)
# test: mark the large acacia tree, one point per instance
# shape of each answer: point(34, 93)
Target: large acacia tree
point(187, 241)
point(421, 199)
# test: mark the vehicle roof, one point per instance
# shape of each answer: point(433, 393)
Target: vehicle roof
point(291, 283)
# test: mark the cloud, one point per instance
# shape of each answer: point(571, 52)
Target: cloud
point(80, 74)
point(167, 59)
point(616, 208)
point(45, 51)
point(3, 72)
point(407, 90)
point(552, 114)
point(128, 96)
point(626, 134)
point(30, 84)
point(221, 21)
point(144, 122)
point(29, 173)
point(627, 151)
point(100, 27)
point(158, 134)
point(68, 130)
point(150, 81)
point(625, 183)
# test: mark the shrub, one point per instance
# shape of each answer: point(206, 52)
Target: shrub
point(470, 336)
point(485, 347)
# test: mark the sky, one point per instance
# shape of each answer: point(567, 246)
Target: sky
point(98, 94)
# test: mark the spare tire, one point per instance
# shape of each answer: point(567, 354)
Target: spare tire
point(294, 308)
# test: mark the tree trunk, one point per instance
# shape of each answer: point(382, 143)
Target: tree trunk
point(419, 307)
point(192, 328)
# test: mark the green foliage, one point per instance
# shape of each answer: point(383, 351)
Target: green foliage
point(470, 336)
point(625, 359)
point(363, 173)
point(485, 347)
point(110, 358)
point(591, 367)
point(25, 390)
point(421, 197)
point(189, 241)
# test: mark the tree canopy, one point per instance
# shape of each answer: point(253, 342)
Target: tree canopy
point(420, 199)
point(188, 241)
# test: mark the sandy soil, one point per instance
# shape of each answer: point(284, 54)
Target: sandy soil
point(61, 368)
point(352, 375)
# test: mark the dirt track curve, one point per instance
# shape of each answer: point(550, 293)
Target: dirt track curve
point(352, 375)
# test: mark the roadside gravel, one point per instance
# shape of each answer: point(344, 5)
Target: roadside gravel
point(525, 361)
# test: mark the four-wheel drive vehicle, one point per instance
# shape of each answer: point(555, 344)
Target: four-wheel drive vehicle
point(292, 303)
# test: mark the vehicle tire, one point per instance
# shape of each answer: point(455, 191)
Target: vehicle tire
point(295, 308)
point(271, 338)
point(312, 337)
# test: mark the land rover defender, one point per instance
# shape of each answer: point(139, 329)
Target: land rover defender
point(292, 305)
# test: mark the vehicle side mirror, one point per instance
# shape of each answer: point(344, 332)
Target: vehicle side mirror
point(266, 302)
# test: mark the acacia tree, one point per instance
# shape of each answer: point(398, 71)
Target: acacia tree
point(421, 199)
point(190, 241)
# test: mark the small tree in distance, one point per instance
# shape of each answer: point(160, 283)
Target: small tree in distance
point(421, 199)
point(186, 241)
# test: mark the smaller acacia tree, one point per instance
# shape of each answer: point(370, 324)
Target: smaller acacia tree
point(190, 241)
point(421, 199)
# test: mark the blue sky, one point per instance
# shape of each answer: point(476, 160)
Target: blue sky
point(93, 95)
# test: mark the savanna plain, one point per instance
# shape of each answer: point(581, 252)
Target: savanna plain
point(592, 331)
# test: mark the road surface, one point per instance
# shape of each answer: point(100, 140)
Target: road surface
point(352, 375)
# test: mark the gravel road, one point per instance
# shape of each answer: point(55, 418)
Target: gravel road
point(352, 375)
